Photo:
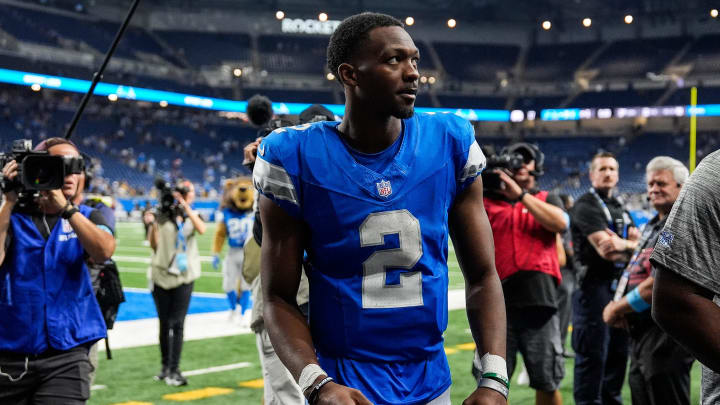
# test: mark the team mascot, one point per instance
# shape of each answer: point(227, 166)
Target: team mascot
point(235, 225)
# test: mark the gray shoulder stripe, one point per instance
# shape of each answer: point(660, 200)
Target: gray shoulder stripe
point(272, 179)
point(475, 162)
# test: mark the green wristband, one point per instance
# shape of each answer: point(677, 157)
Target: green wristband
point(497, 377)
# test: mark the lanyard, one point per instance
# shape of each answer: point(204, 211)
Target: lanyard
point(181, 237)
point(608, 217)
point(625, 278)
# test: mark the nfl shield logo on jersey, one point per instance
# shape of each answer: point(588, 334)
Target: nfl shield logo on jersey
point(66, 227)
point(384, 188)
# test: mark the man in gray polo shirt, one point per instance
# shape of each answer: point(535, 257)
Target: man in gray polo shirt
point(686, 294)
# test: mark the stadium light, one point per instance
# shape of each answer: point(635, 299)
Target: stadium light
point(452, 23)
point(587, 22)
point(163, 103)
point(546, 25)
point(431, 79)
point(36, 87)
point(323, 17)
point(112, 97)
point(423, 79)
point(330, 76)
point(409, 21)
point(237, 72)
point(629, 19)
point(280, 14)
point(714, 13)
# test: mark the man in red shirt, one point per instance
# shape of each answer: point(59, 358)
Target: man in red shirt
point(526, 224)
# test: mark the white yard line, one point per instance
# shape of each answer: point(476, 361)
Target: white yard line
point(144, 271)
point(217, 369)
point(135, 259)
point(197, 294)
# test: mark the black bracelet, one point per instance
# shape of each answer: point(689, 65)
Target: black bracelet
point(69, 211)
point(314, 395)
point(521, 196)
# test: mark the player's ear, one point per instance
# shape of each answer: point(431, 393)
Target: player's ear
point(347, 74)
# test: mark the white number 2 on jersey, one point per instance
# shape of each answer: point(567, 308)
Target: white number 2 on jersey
point(375, 292)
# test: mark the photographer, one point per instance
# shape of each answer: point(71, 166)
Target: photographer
point(526, 223)
point(175, 265)
point(48, 312)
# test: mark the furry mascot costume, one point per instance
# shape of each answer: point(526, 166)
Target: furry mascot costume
point(235, 225)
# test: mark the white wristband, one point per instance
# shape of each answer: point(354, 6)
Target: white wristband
point(308, 376)
point(491, 363)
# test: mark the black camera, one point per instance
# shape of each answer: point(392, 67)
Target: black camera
point(37, 170)
point(166, 201)
point(507, 161)
point(510, 158)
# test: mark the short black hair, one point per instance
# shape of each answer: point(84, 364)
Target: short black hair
point(259, 110)
point(351, 32)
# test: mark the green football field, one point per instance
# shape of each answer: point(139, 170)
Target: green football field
point(127, 379)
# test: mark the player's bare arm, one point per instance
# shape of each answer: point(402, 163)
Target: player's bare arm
point(281, 258)
point(474, 247)
point(700, 325)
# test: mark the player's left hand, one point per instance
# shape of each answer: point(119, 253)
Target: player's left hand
point(216, 261)
point(53, 199)
point(509, 188)
point(485, 396)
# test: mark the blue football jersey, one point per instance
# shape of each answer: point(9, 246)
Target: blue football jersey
point(238, 225)
point(378, 247)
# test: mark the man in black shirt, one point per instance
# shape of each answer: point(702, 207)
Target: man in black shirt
point(604, 236)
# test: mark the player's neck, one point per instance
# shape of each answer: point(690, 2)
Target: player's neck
point(368, 134)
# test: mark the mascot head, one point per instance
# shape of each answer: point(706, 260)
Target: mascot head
point(238, 194)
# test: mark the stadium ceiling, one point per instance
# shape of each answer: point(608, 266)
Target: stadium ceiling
point(516, 11)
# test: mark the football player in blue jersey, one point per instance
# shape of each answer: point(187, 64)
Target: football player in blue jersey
point(373, 199)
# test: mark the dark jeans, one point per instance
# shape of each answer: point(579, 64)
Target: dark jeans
point(564, 297)
point(53, 377)
point(659, 369)
point(601, 352)
point(172, 306)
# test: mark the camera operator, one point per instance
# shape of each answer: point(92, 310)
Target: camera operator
point(48, 312)
point(526, 223)
point(175, 265)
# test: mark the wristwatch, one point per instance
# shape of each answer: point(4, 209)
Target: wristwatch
point(521, 196)
point(69, 211)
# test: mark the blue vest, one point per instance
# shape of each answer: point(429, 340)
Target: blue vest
point(46, 299)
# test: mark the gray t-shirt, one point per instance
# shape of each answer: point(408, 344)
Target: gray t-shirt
point(690, 242)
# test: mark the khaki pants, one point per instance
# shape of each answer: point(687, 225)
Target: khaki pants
point(280, 387)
